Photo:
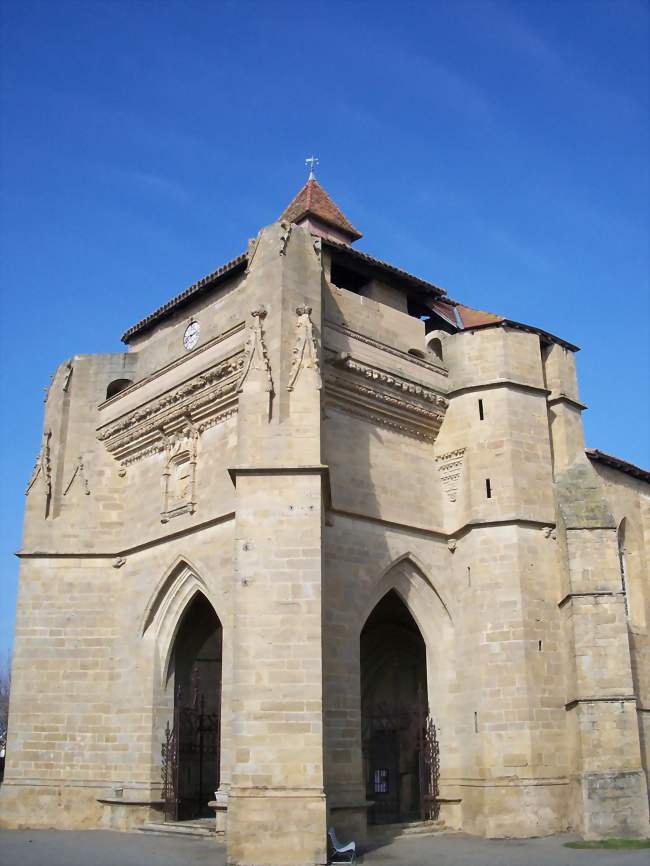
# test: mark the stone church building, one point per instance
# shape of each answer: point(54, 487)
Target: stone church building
point(324, 547)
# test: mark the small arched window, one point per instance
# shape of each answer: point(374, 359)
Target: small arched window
point(116, 386)
point(435, 347)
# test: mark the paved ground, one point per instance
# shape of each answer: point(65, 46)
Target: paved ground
point(105, 848)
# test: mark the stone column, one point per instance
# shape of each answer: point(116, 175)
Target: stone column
point(276, 811)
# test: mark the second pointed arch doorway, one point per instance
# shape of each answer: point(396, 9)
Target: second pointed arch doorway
point(400, 751)
point(192, 747)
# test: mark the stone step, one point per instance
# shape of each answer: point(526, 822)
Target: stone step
point(201, 827)
point(410, 828)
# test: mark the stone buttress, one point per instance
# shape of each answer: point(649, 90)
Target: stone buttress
point(276, 811)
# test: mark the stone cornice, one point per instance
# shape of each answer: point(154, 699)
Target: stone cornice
point(600, 699)
point(384, 398)
point(345, 361)
point(202, 401)
point(564, 398)
point(154, 541)
point(592, 593)
point(500, 383)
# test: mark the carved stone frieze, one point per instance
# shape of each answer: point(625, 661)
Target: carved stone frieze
point(305, 352)
point(399, 383)
point(450, 466)
point(413, 431)
point(384, 398)
point(205, 400)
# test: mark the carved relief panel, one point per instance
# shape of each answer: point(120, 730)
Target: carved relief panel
point(179, 475)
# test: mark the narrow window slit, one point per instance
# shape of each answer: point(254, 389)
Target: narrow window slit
point(539, 645)
point(481, 414)
point(476, 723)
point(488, 488)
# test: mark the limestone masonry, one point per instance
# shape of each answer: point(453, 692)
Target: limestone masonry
point(324, 547)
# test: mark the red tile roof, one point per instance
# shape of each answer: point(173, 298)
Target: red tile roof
point(467, 318)
point(616, 463)
point(472, 318)
point(189, 294)
point(313, 200)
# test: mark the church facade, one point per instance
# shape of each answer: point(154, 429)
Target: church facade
point(324, 547)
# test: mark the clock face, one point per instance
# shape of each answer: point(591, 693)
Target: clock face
point(191, 335)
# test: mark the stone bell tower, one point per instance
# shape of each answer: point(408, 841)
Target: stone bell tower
point(362, 511)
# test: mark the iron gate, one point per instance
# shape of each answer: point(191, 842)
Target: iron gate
point(191, 753)
point(401, 764)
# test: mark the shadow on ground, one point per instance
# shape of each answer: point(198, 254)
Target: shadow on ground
point(106, 848)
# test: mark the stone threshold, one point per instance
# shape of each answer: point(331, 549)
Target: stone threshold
point(407, 829)
point(204, 827)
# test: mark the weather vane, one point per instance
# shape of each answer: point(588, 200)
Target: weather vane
point(312, 162)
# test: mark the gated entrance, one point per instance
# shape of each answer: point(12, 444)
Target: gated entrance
point(401, 765)
point(190, 762)
point(399, 737)
point(191, 750)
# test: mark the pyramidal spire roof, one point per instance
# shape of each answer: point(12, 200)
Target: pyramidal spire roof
point(314, 207)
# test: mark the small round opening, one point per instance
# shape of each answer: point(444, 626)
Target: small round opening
point(116, 386)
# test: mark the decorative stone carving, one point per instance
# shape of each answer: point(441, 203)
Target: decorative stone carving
point(80, 473)
point(376, 374)
point(385, 398)
point(255, 355)
point(179, 474)
point(46, 389)
point(67, 376)
point(118, 562)
point(207, 399)
point(284, 237)
point(253, 244)
point(305, 352)
point(450, 466)
point(43, 471)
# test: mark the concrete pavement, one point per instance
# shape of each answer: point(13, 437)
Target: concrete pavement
point(106, 848)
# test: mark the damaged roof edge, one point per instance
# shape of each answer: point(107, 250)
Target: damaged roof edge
point(616, 463)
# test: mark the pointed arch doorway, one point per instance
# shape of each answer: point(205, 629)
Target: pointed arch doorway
point(192, 746)
point(400, 752)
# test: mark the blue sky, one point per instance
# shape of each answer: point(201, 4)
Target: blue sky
point(498, 149)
